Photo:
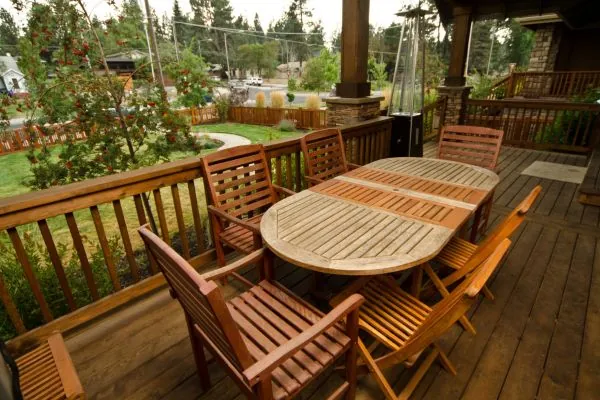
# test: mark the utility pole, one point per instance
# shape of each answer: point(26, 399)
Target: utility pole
point(175, 41)
point(227, 57)
point(160, 81)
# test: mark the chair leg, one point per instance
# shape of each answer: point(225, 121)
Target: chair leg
point(376, 371)
point(199, 356)
point(445, 361)
point(419, 374)
point(488, 293)
point(220, 253)
point(417, 282)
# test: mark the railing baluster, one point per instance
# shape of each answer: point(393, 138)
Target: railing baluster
point(196, 216)
point(133, 266)
point(57, 264)
point(185, 247)
point(288, 172)
point(11, 309)
point(139, 209)
point(164, 229)
point(29, 274)
point(298, 163)
point(108, 257)
point(81, 253)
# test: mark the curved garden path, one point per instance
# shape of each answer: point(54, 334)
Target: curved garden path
point(228, 139)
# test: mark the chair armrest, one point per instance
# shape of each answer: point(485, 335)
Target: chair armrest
point(265, 366)
point(352, 166)
point(250, 226)
point(488, 267)
point(252, 258)
point(285, 191)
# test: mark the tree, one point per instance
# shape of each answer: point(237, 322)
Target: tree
point(9, 32)
point(518, 44)
point(257, 26)
point(262, 58)
point(321, 72)
point(124, 131)
point(481, 41)
point(377, 73)
point(191, 79)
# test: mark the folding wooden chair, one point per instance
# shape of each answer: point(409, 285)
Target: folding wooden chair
point(407, 327)
point(270, 341)
point(324, 155)
point(463, 256)
point(239, 189)
point(475, 145)
point(47, 372)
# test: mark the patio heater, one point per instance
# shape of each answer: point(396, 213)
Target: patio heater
point(408, 89)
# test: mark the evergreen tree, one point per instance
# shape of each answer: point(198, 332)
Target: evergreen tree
point(518, 44)
point(257, 26)
point(9, 33)
point(183, 32)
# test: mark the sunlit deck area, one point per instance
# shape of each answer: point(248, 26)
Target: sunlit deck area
point(537, 339)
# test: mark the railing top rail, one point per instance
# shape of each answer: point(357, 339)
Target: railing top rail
point(535, 104)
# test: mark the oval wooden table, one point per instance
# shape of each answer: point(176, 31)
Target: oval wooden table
point(386, 216)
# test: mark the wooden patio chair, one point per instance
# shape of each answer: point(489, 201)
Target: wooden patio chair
point(475, 145)
point(47, 372)
point(324, 155)
point(463, 256)
point(408, 327)
point(239, 190)
point(270, 342)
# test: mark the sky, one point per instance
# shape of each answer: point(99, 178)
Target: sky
point(382, 12)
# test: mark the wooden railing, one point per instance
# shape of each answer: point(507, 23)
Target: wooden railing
point(73, 252)
point(541, 125)
point(550, 85)
point(500, 89)
point(433, 117)
point(304, 118)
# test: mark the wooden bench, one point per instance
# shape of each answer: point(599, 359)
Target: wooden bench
point(589, 190)
point(48, 372)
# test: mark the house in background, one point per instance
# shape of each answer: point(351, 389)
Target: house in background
point(11, 77)
point(563, 45)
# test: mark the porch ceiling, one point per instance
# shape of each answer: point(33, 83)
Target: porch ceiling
point(577, 14)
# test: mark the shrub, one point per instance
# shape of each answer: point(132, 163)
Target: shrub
point(222, 103)
point(286, 125)
point(290, 97)
point(313, 102)
point(277, 99)
point(260, 99)
point(21, 293)
point(387, 95)
point(292, 84)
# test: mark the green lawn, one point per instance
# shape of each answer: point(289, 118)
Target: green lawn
point(255, 133)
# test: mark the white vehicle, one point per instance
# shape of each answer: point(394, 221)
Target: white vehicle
point(254, 81)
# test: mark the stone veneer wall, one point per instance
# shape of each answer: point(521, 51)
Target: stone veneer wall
point(341, 113)
point(545, 48)
point(455, 104)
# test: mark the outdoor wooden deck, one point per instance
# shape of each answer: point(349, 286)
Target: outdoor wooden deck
point(538, 338)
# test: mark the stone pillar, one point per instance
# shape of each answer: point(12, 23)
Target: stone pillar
point(456, 98)
point(545, 48)
point(346, 110)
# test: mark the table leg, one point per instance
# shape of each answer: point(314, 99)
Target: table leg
point(417, 281)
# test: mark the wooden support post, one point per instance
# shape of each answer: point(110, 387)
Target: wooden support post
point(460, 45)
point(355, 50)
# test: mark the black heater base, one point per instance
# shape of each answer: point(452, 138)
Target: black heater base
point(405, 143)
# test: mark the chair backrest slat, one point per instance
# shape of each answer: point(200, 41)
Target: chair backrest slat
point(451, 308)
point(474, 145)
point(238, 180)
point(324, 154)
point(201, 301)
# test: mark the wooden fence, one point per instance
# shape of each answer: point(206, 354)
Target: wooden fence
point(541, 125)
point(551, 85)
point(433, 116)
point(200, 115)
point(97, 220)
point(22, 138)
point(305, 119)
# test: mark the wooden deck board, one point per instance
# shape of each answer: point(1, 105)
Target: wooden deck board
point(538, 338)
